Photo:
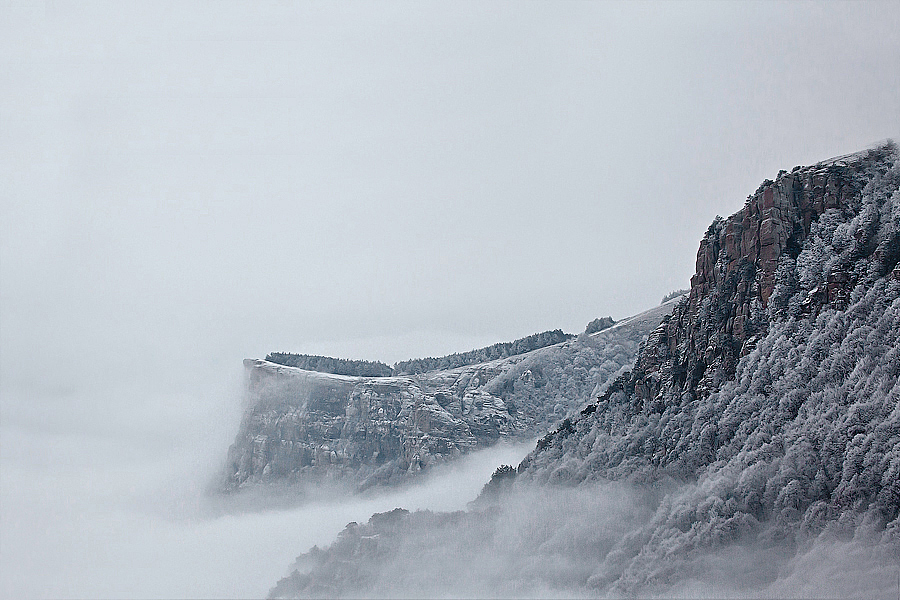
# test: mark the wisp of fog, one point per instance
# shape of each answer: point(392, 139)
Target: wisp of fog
point(586, 541)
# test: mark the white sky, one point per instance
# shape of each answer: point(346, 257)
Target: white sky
point(194, 183)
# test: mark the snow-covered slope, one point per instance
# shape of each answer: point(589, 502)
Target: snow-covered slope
point(753, 450)
point(303, 425)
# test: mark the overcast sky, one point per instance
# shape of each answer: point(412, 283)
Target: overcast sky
point(189, 183)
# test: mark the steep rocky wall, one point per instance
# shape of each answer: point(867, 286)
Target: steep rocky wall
point(737, 271)
point(310, 424)
point(819, 335)
point(782, 433)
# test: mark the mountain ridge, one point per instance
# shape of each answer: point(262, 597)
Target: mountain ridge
point(413, 366)
point(753, 449)
point(304, 426)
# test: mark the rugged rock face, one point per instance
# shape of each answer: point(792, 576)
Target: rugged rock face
point(378, 430)
point(753, 450)
point(773, 391)
point(748, 261)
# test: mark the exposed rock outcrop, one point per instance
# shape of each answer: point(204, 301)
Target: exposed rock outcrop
point(747, 262)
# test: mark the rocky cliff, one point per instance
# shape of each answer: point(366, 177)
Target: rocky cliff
point(307, 425)
point(753, 450)
point(773, 391)
point(797, 252)
point(748, 261)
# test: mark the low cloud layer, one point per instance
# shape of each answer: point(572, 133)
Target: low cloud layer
point(574, 542)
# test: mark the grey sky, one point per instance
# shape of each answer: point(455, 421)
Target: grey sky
point(202, 182)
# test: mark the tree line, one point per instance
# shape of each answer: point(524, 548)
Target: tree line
point(365, 368)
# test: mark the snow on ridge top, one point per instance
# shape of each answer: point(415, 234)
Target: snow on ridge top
point(853, 156)
point(843, 158)
point(301, 424)
point(667, 307)
point(274, 367)
point(259, 363)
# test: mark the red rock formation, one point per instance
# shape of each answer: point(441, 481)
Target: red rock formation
point(699, 346)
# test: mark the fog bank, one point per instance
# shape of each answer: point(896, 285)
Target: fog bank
point(588, 541)
point(112, 504)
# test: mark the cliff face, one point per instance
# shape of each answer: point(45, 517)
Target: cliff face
point(306, 423)
point(753, 450)
point(379, 430)
point(749, 261)
point(772, 393)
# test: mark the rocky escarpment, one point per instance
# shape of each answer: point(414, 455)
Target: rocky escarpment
point(753, 450)
point(749, 261)
point(773, 390)
point(303, 425)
